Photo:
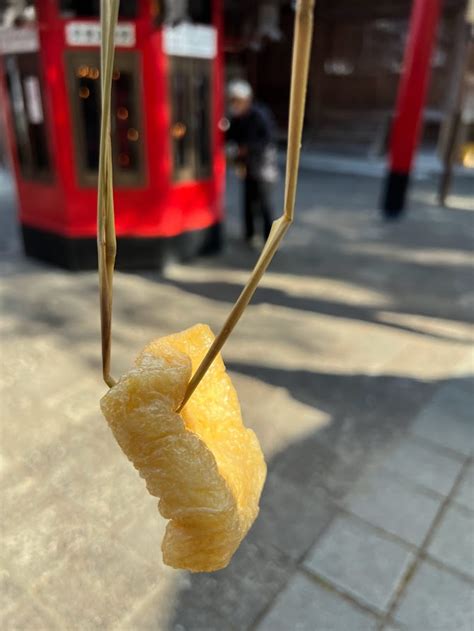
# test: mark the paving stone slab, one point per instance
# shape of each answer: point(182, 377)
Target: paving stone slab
point(360, 561)
point(144, 532)
point(307, 606)
point(165, 610)
point(360, 422)
point(422, 464)
point(311, 465)
point(437, 600)
point(288, 518)
point(447, 419)
point(29, 362)
point(465, 492)
point(26, 614)
point(38, 527)
point(453, 540)
point(96, 585)
point(45, 537)
point(11, 590)
point(241, 591)
point(88, 467)
point(393, 505)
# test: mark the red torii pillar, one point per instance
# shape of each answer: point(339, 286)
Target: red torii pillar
point(410, 102)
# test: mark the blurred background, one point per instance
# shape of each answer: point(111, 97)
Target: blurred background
point(353, 363)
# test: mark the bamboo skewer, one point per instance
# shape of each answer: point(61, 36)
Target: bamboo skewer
point(106, 241)
point(299, 78)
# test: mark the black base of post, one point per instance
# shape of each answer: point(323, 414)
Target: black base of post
point(396, 186)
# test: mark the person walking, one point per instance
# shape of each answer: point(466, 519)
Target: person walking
point(251, 139)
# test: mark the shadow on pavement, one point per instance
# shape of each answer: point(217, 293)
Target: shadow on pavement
point(228, 292)
point(305, 482)
point(419, 267)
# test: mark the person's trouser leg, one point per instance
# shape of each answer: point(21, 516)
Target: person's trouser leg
point(249, 203)
point(265, 203)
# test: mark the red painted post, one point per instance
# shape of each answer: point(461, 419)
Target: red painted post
point(410, 102)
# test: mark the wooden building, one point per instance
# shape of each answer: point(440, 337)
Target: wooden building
point(355, 67)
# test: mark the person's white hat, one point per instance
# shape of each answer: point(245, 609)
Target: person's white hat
point(239, 89)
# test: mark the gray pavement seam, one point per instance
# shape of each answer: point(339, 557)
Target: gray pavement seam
point(420, 554)
point(421, 551)
point(385, 533)
point(298, 566)
point(337, 511)
point(436, 446)
point(362, 606)
point(299, 561)
point(416, 486)
point(442, 565)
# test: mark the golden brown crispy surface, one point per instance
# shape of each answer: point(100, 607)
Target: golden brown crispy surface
point(204, 465)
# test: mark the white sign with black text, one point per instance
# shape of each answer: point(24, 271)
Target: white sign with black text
point(88, 34)
point(190, 40)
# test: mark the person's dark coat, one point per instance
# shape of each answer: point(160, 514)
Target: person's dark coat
point(255, 135)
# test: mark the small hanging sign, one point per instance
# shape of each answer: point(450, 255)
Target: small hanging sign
point(88, 34)
point(18, 40)
point(190, 40)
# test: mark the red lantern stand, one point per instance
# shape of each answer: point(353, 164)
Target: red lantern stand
point(167, 102)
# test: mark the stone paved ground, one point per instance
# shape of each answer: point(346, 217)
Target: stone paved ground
point(353, 365)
